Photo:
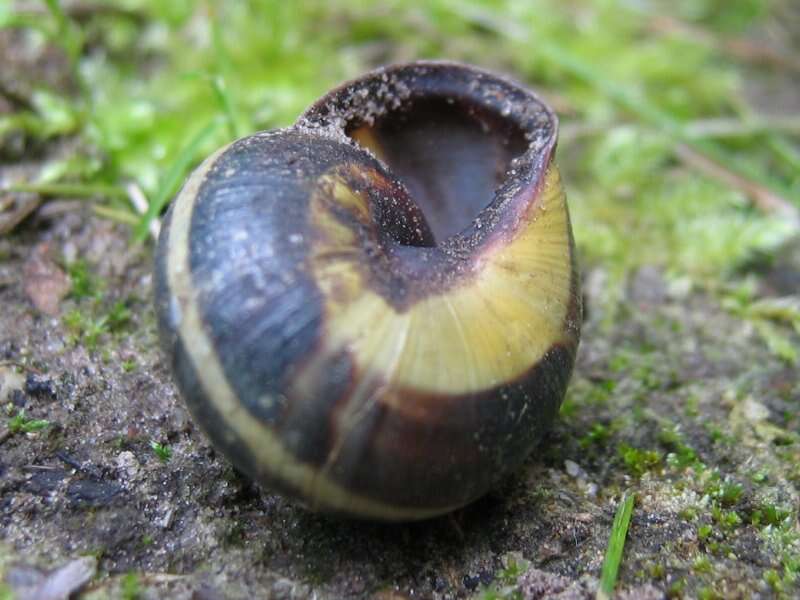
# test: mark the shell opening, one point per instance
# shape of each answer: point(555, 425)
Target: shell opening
point(449, 153)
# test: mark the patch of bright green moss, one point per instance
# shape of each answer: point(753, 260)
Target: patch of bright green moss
point(639, 461)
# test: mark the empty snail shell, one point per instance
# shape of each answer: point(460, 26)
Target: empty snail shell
point(376, 310)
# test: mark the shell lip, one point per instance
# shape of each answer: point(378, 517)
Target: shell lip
point(393, 89)
point(316, 113)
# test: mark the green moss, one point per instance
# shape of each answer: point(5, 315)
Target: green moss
point(718, 435)
point(691, 406)
point(598, 435)
point(162, 451)
point(776, 320)
point(688, 513)
point(84, 283)
point(85, 327)
point(704, 532)
point(770, 514)
point(514, 565)
point(657, 571)
point(96, 315)
point(500, 594)
point(638, 461)
point(118, 316)
point(505, 584)
point(779, 531)
point(677, 588)
point(130, 587)
point(774, 580)
point(781, 344)
point(726, 519)
point(20, 423)
point(702, 564)
point(730, 494)
point(680, 455)
point(620, 361)
point(709, 593)
point(586, 394)
point(694, 227)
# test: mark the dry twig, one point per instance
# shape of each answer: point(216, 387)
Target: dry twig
point(761, 197)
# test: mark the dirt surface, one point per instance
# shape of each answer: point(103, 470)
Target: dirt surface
point(191, 527)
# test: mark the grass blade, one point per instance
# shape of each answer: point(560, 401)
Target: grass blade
point(114, 214)
point(173, 177)
point(224, 99)
point(70, 190)
point(67, 34)
point(616, 543)
point(226, 103)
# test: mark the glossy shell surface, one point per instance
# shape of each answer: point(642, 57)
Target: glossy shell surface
point(376, 310)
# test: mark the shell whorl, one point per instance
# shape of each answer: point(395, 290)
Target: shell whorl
point(346, 335)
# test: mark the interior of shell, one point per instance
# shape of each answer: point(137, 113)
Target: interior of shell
point(451, 156)
point(448, 132)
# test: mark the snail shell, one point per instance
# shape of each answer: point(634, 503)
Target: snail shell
point(376, 310)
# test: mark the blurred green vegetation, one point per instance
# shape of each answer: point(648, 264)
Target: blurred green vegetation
point(155, 86)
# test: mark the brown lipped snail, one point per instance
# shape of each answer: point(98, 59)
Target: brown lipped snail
point(376, 310)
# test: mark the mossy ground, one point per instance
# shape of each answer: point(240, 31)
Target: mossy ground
point(687, 387)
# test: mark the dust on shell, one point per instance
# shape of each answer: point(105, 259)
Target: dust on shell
point(314, 379)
